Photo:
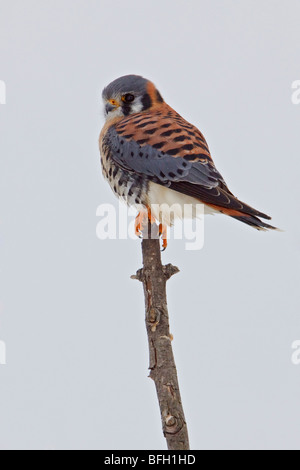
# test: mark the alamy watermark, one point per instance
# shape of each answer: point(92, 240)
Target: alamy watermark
point(2, 92)
point(187, 222)
point(2, 353)
point(296, 354)
point(296, 94)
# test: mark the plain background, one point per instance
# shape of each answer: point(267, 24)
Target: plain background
point(71, 318)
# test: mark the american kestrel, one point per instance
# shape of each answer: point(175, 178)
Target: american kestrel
point(151, 156)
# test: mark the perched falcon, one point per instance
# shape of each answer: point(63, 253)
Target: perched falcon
point(152, 156)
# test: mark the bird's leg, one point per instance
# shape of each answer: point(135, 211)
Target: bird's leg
point(150, 217)
point(163, 232)
point(141, 222)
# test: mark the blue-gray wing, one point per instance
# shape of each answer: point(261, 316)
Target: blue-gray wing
point(172, 152)
point(158, 165)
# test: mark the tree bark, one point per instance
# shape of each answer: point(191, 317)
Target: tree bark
point(162, 366)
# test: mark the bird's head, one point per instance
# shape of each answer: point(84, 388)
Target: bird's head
point(129, 95)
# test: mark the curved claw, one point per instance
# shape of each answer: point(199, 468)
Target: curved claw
point(164, 236)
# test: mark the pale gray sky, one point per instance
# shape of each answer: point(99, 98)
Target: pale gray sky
point(71, 318)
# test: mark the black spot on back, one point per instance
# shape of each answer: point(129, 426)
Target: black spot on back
point(190, 158)
point(167, 133)
point(159, 145)
point(137, 120)
point(174, 151)
point(180, 138)
point(128, 136)
point(144, 124)
point(185, 125)
point(151, 131)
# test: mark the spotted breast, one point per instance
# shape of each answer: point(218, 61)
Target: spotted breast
point(129, 186)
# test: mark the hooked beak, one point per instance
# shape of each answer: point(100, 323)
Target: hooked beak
point(109, 107)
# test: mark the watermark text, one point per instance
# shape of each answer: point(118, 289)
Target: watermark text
point(296, 354)
point(187, 222)
point(296, 94)
point(2, 92)
point(2, 353)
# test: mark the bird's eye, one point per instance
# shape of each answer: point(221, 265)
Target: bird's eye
point(128, 98)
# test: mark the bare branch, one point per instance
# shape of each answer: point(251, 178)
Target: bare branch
point(162, 366)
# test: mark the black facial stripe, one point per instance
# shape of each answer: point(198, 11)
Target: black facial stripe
point(146, 101)
point(126, 108)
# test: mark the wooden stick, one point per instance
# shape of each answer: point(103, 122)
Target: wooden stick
point(162, 366)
